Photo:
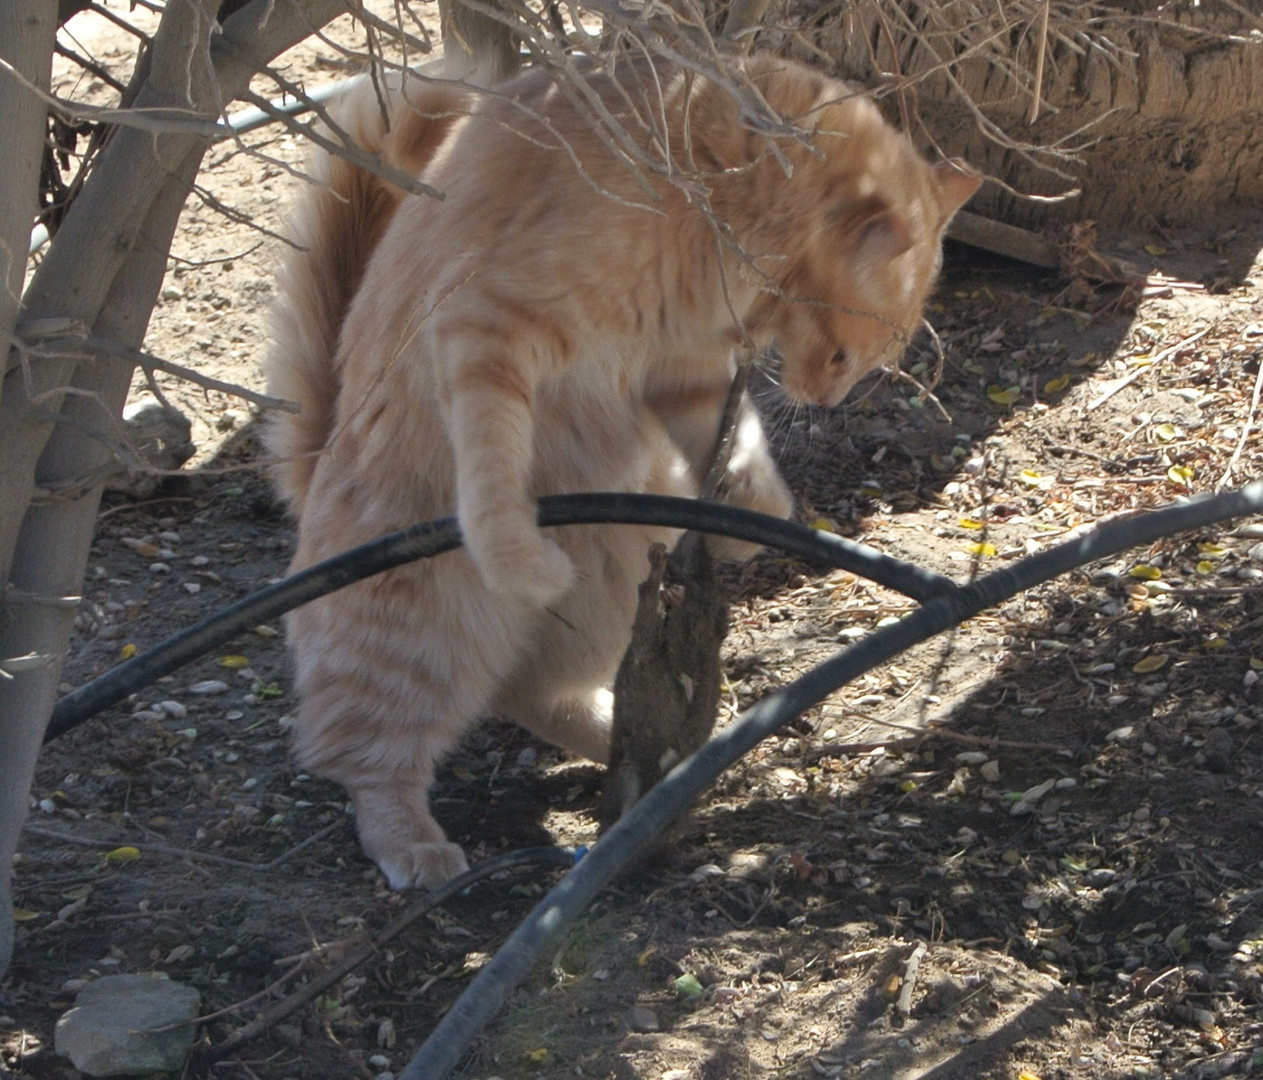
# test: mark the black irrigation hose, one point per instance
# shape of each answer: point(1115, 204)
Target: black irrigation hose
point(436, 537)
point(558, 857)
point(677, 791)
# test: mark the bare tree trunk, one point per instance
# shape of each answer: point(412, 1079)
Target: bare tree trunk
point(26, 42)
point(102, 272)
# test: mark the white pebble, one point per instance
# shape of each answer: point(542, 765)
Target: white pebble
point(173, 709)
point(192, 588)
point(159, 568)
point(209, 686)
point(199, 560)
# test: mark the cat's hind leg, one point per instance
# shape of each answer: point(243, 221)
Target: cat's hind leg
point(391, 673)
point(398, 832)
point(581, 725)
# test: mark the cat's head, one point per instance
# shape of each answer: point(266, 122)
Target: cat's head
point(852, 241)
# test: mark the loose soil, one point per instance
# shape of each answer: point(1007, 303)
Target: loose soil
point(1056, 813)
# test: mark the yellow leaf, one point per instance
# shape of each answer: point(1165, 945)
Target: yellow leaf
point(1180, 474)
point(970, 523)
point(1214, 643)
point(1001, 396)
point(537, 1057)
point(643, 958)
point(1150, 664)
point(1155, 249)
point(981, 549)
point(824, 525)
point(908, 786)
point(122, 855)
point(21, 914)
point(1205, 567)
point(1141, 572)
point(1024, 1075)
point(1057, 385)
point(127, 651)
point(1211, 550)
point(1256, 664)
point(1166, 432)
point(77, 893)
point(1031, 478)
point(234, 662)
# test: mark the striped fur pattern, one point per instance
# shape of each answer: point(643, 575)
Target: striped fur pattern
point(531, 335)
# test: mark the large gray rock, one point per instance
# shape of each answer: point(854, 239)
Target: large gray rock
point(109, 1032)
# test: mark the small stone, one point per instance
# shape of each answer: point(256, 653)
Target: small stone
point(107, 1032)
point(642, 1020)
point(209, 686)
point(161, 436)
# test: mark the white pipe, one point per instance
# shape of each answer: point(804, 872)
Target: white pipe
point(243, 120)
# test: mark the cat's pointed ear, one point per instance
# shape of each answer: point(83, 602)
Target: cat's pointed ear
point(878, 228)
point(955, 183)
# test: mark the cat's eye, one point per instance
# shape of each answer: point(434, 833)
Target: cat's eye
point(839, 358)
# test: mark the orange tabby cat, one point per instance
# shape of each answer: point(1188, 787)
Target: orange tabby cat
point(557, 324)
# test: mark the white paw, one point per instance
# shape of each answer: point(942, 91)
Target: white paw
point(424, 866)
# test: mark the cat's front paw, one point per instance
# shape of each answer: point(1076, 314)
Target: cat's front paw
point(423, 865)
point(531, 568)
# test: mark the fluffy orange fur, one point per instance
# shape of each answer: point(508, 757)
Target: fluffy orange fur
point(559, 323)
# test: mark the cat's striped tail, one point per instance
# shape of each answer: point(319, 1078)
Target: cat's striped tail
point(335, 226)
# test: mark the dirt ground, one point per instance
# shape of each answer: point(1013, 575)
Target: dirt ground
point(1062, 879)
